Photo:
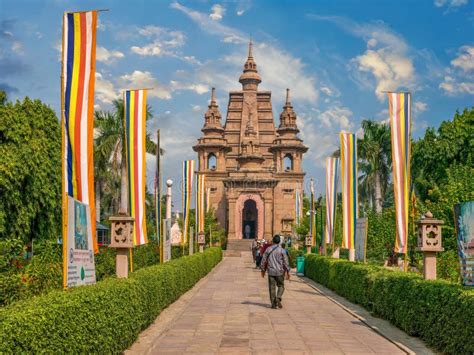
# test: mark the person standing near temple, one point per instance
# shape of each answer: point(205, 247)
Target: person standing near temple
point(275, 262)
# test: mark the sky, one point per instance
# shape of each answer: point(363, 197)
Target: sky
point(337, 57)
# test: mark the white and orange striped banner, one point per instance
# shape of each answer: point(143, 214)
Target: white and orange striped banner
point(332, 166)
point(135, 133)
point(201, 199)
point(399, 105)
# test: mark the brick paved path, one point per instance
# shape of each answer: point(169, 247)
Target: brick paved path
point(228, 312)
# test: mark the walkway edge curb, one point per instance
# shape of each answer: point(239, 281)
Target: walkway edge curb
point(405, 342)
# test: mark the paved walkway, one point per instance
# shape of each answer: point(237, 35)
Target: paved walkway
point(228, 312)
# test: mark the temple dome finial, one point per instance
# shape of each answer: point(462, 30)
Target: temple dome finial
point(250, 77)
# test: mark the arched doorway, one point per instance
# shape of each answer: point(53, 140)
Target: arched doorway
point(254, 204)
point(249, 219)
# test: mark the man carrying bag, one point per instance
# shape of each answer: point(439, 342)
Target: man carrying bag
point(275, 261)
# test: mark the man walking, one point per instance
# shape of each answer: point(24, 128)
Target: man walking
point(275, 261)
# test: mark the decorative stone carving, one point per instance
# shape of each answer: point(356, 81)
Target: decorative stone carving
point(121, 231)
point(430, 243)
point(429, 233)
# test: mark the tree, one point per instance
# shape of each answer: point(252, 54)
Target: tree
point(30, 171)
point(374, 154)
point(452, 143)
point(110, 146)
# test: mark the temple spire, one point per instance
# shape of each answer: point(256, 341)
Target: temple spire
point(287, 97)
point(250, 77)
point(213, 96)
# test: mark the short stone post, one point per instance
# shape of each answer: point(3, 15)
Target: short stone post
point(309, 243)
point(430, 243)
point(201, 241)
point(121, 239)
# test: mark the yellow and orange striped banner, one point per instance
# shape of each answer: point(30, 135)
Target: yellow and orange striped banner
point(349, 188)
point(135, 133)
point(399, 105)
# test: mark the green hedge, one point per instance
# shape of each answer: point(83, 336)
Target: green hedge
point(439, 312)
point(103, 318)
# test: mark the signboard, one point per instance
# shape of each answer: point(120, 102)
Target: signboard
point(80, 267)
point(464, 220)
point(167, 240)
point(361, 239)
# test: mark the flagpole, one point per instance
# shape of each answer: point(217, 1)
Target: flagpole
point(63, 168)
point(159, 234)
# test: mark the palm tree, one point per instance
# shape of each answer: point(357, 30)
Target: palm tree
point(375, 162)
point(110, 149)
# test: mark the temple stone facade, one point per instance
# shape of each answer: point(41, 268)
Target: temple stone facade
point(253, 169)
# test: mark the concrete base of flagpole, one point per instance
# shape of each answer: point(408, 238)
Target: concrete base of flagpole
point(121, 263)
point(352, 254)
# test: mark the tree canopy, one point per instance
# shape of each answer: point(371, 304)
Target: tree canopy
point(30, 170)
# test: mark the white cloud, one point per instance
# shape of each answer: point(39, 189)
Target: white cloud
point(217, 13)
point(197, 88)
point(106, 56)
point(386, 63)
point(459, 76)
point(338, 117)
point(419, 107)
point(465, 59)
point(104, 89)
point(144, 79)
point(17, 47)
point(450, 3)
point(240, 12)
point(196, 108)
point(211, 26)
point(164, 41)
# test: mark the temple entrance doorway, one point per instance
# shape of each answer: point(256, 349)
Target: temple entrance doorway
point(249, 219)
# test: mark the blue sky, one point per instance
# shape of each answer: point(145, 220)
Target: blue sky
point(336, 57)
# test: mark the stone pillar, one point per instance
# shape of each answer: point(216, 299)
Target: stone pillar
point(309, 243)
point(121, 238)
point(169, 183)
point(201, 241)
point(429, 242)
point(231, 233)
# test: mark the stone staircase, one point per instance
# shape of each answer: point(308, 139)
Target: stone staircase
point(235, 247)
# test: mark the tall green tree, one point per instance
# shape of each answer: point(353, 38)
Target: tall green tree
point(30, 170)
point(374, 154)
point(110, 148)
point(452, 143)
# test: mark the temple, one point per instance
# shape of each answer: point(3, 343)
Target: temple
point(253, 169)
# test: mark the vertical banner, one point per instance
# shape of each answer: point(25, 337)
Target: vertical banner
point(201, 208)
point(349, 189)
point(464, 222)
point(208, 199)
point(298, 206)
point(332, 165)
point(188, 173)
point(312, 214)
point(135, 135)
point(77, 118)
point(399, 106)
point(158, 212)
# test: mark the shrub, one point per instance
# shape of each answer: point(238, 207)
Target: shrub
point(439, 312)
point(102, 318)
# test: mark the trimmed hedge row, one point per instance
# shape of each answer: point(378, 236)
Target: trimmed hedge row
point(439, 312)
point(102, 318)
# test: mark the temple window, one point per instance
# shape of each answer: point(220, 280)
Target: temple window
point(288, 162)
point(211, 161)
